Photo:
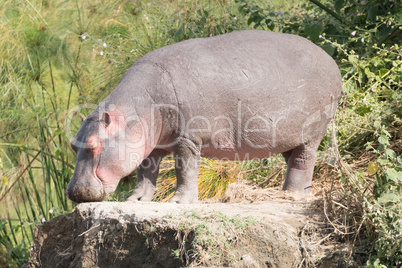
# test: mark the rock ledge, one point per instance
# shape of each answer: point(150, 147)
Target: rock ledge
point(112, 234)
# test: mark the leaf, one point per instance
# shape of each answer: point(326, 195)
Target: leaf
point(372, 168)
point(362, 110)
point(398, 18)
point(390, 197)
point(382, 72)
point(352, 58)
point(377, 61)
point(313, 31)
point(57, 132)
point(391, 153)
point(179, 33)
point(391, 174)
point(328, 48)
point(383, 139)
point(372, 12)
point(368, 73)
point(382, 161)
point(57, 152)
point(338, 5)
point(271, 26)
point(255, 8)
point(257, 19)
point(4, 180)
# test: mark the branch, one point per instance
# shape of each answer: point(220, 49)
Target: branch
point(332, 13)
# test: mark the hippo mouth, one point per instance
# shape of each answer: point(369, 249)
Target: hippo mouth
point(98, 179)
point(102, 181)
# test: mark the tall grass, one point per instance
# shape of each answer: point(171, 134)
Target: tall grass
point(37, 66)
point(59, 54)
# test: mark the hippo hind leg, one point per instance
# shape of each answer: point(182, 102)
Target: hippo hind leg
point(301, 162)
point(147, 174)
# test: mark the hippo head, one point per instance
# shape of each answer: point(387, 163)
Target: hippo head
point(108, 147)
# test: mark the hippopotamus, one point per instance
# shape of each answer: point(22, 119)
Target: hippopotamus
point(238, 96)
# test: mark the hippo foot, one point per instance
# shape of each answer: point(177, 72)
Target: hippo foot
point(184, 198)
point(298, 181)
point(300, 192)
point(142, 194)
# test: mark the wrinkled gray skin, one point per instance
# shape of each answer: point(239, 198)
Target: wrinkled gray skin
point(237, 96)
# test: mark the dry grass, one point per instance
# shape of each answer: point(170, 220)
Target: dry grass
point(214, 178)
point(339, 194)
point(343, 195)
point(244, 192)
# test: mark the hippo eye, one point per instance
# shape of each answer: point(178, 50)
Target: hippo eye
point(94, 151)
point(93, 146)
point(90, 149)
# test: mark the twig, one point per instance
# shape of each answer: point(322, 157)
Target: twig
point(332, 13)
point(354, 240)
point(301, 263)
point(326, 216)
point(339, 204)
point(270, 177)
point(89, 229)
point(322, 240)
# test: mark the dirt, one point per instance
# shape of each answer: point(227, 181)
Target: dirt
point(247, 228)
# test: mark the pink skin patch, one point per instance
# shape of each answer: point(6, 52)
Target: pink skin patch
point(94, 145)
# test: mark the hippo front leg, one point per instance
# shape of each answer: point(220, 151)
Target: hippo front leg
point(301, 162)
point(187, 166)
point(147, 174)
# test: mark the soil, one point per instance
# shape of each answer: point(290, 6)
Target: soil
point(249, 227)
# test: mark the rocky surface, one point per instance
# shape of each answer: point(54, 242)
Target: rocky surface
point(276, 233)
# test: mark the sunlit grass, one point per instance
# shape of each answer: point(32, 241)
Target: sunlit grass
point(213, 180)
point(216, 175)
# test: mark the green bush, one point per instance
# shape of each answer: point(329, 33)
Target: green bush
point(364, 37)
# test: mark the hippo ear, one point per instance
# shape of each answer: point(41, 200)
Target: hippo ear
point(106, 118)
point(82, 117)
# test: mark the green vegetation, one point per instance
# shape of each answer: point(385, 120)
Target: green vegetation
point(58, 55)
